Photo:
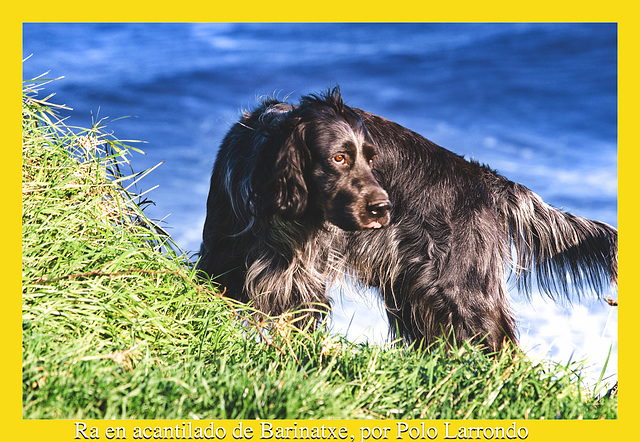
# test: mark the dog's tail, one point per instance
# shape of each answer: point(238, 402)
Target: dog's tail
point(565, 253)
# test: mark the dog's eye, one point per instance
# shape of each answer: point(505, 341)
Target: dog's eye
point(339, 159)
point(371, 160)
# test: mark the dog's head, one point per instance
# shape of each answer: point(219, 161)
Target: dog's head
point(316, 159)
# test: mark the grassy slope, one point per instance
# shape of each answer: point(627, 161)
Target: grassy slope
point(115, 325)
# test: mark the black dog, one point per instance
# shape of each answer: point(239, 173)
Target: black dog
point(303, 194)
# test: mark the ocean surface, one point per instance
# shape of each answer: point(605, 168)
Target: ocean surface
point(537, 102)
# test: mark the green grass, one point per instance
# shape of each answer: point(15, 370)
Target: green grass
point(116, 324)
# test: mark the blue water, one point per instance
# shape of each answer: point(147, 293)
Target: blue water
point(537, 102)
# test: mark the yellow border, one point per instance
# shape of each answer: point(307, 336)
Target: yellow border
point(14, 428)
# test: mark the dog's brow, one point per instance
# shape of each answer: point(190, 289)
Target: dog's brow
point(368, 150)
point(349, 147)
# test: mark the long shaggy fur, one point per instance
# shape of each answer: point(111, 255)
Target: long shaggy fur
point(431, 230)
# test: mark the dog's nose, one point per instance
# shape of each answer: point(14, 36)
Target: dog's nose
point(379, 208)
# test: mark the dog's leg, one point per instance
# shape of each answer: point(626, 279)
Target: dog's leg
point(425, 312)
point(278, 281)
point(454, 289)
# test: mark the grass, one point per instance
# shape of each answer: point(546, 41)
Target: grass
point(117, 325)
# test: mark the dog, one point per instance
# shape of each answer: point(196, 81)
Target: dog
point(304, 194)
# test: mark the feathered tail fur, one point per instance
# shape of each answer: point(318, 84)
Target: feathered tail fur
point(566, 254)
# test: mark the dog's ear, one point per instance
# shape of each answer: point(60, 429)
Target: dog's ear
point(278, 180)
